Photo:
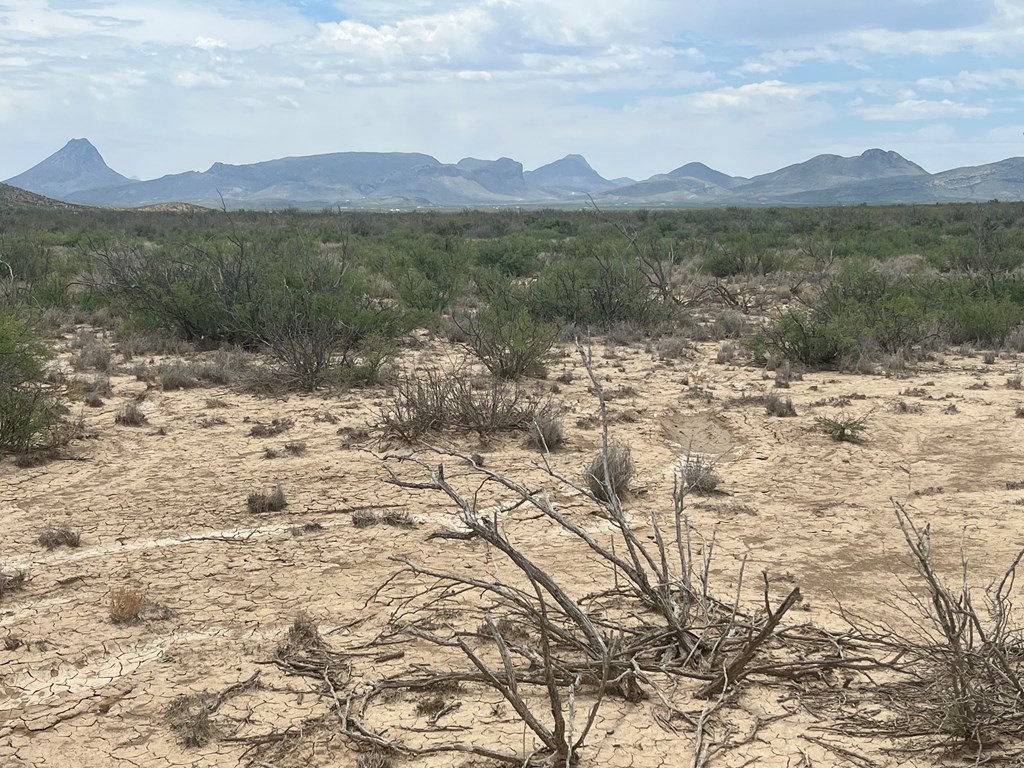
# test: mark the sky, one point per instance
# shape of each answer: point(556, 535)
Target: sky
point(638, 87)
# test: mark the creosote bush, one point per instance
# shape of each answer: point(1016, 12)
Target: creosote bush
point(610, 472)
point(261, 502)
point(31, 411)
point(509, 342)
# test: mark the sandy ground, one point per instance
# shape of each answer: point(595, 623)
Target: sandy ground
point(162, 508)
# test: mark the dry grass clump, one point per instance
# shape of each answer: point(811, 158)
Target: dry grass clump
point(126, 604)
point(59, 536)
point(189, 718)
point(398, 518)
point(436, 401)
point(375, 758)
point(698, 475)
point(776, 405)
point(364, 518)
point(275, 427)
point(547, 432)
point(130, 415)
point(148, 343)
point(176, 375)
point(261, 502)
point(93, 352)
point(903, 407)
point(674, 348)
point(729, 324)
point(11, 579)
point(726, 352)
point(610, 473)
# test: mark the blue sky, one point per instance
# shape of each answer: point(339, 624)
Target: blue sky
point(638, 87)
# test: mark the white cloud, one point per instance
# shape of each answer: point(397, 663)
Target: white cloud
point(638, 87)
point(209, 43)
point(193, 79)
point(766, 95)
point(922, 109)
point(995, 79)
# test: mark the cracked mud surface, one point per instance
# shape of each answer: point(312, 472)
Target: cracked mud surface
point(166, 514)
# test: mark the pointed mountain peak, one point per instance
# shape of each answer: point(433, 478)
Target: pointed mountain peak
point(76, 167)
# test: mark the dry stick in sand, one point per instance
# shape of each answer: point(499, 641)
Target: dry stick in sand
point(734, 669)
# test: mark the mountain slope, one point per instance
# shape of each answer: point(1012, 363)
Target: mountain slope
point(570, 175)
point(397, 179)
point(314, 179)
point(77, 166)
point(15, 197)
point(701, 172)
point(829, 171)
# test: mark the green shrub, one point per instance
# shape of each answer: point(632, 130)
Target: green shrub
point(844, 429)
point(983, 321)
point(509, 342)
point(31, 412)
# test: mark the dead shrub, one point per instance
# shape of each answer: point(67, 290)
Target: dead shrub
point(126, 604)
point(130, 415)
point(274, 428)
point(59, 536)
point(189, 718)
point(261, 502)
point(435, 401)
point(776, 405)
point(610, 473)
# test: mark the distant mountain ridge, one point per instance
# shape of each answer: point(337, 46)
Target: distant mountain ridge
point(76, 167)
point(78, 174)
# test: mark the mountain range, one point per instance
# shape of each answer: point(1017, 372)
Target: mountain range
point(78, 174)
